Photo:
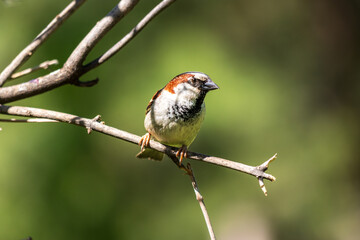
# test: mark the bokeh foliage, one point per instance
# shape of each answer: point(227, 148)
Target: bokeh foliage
point(288, 73)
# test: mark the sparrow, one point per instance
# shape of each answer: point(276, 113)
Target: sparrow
point(175, 113)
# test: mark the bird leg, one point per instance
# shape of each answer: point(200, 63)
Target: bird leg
point(181, 153)
point(144, 141)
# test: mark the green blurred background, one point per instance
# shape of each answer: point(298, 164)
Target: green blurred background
point(288, 73)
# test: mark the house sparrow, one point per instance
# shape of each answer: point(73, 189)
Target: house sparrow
point(175, 113)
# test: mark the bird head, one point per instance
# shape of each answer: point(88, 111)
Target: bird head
point(196, 82)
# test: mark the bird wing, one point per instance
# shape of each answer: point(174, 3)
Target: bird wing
point(152, 100)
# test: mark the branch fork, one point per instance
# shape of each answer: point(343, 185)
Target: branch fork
point(263, 167)
point(71, 72)
point(74, 66)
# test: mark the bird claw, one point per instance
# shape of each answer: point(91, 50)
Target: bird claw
point(145, 141)
point(181, 154)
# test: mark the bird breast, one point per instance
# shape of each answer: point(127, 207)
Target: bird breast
point(175, 120)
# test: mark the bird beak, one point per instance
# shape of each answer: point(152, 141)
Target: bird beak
point(209, 85)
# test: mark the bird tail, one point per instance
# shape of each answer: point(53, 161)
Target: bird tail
point(150, 154)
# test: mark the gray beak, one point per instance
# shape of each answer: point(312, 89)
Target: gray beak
point(209, 85)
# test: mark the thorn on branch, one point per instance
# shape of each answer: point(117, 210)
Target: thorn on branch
point(95, 119)
point(90, 83)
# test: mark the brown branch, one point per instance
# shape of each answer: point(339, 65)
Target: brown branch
point(44, 65)
point(96, 124)
point(188, 170)
point(34, 87)
point(30, 120)
point(264, 167)
point(128, 37)
point(200, 199)
point(102, 27)
point(70, 72)
point(26, 53)
point(73, 69)
point(257, 171)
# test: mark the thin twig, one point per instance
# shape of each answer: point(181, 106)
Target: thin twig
point(102, 27)
point(30, 120)
point(128, 37)
point(200, 199)
point(257, 171)
point(25, 54)
point(188, 170)
point(44, 65)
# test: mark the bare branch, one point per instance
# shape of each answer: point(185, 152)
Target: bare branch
point(30, 120)
point(200, 199)
point(188, 170)
point(73, 69)
point(264, 167)
point(256, 171)
point(128, 37)
point(97, 125)
point(44, 65)
point(34, 87)
point(95, 119)
point(25, 54)
point(70, 72)
point(77, 57)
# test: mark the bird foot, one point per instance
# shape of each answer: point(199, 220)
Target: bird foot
point(181, 154)
point(145, 141)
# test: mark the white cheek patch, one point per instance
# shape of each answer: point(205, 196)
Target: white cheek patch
point(187, 91)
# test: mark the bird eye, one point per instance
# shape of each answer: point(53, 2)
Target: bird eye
point(191, 80)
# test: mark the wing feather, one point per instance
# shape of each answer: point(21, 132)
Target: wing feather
point(156, 95)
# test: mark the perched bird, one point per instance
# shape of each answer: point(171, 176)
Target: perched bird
point(175, 113)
